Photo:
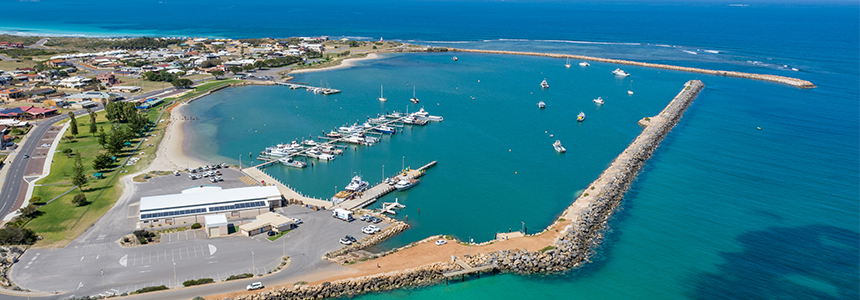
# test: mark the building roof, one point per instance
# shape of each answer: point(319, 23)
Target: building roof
point(215, 220)
point(15, 111)
point(266, 219)
point(91, 95)
point(208, 195)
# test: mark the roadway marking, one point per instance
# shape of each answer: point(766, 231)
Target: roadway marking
point(212, 249)
point(80, 285)
point(82, 258)
point(124, 261)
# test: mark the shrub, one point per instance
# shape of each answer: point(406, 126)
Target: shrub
point(17, 236)
point(67, 152)
point(196, 226)
point(547, 248)
point(198, 298)
point(36, 199)
point(300, 283)
point(150, 289)
point(198, 281)
point(239, 276)
point(79, 200)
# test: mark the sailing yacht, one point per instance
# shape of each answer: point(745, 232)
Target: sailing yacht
point(567, 64)
point(413, 99)
point(630, 91)
point(381, 98)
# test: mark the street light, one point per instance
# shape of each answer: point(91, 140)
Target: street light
point(253, 265)
point(523, 230)
point(470, 245)
point(175, 281)
point(103, 282)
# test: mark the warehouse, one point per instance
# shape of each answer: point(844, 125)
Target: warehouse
point(193, 203)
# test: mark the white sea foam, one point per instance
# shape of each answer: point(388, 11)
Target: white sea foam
point(445, 42)
point(588, 42)
point(691, 52)
point(712, 51)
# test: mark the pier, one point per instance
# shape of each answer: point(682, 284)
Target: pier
point(316, 90)
point(467, 269)
point(377, 191)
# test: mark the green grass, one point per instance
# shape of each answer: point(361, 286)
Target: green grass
point(547, 248)
point(279, 235)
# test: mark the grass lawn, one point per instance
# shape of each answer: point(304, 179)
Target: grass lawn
point(11, 65)
point(279, 235)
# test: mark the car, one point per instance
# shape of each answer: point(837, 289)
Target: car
point(224, 165)
point(255, 286)
point(441, 242)
point(192, 176)
point(193, 170)
point(219, 178)
point(345, 241)
point(218, 173)
point(298, 221)
point(364, 218)
point(376, 220)
point(351, 239)
point(374, 228)
point(206, 168)
point(212, 179)
point(367, 230)
point(272, 233)
point(26, 156)
point(176, 173)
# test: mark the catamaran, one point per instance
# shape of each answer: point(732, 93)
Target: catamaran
point(381, 98)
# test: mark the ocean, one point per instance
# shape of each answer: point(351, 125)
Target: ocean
point(722, 210)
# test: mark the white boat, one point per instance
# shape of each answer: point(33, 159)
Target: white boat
point(567, 64)
point(333, 134)
point(357, 185)
point(329, 149)
point(406, 183)
point(599, 100)
point(580, 117)
point(584, 64)
point(558, 147)
point(381, 97)
point(620, 72)
point(413, 99)
point(288, 161)
point(420, 113)
point(309, 143)
point(380, 119)
point(385, 129)
point(543, 84)
point(454, 58)
point(630, 91)
point(541, 104)
point(354, 139)
point(366, 125)
point(277, 152)
point(435, 118)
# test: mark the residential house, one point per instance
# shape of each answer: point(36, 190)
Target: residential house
point(26, 112)
point(56, 63)
point(75, 82)
point(95, 96)
point(10, 94)
point(106, 78)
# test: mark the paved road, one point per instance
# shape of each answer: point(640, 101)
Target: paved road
point(38, 44)
point(18, 166)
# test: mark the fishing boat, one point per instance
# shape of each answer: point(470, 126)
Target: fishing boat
point(599, 100)
point(580, 117)
point(541, 104)
point(385, 129)
point(333, 134)
point(288, 161)
point(543, 84)
point(381, 97)
point(567, 64)
point(620, 72)
point(558, 147)
point(357, 185)
point(406, 183)
point(584, 64)
point(455, 58)
point(413, 99)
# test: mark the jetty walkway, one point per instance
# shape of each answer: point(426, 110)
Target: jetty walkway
point(286, 191)
point(370, 195)
point(773, 78)
point(316, 90)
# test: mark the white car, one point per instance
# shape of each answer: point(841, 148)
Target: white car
point(374, 228)
point(345, 241)
point(176, 173)
point(367, 230)
point(255, 286)
point(441, 242)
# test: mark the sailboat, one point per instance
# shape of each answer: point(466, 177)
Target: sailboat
point(413, 99)
point(381, 98)
point(630, 91)
point(567, 64)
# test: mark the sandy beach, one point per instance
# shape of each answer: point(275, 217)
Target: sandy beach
point(170, 155)
point(346, 63)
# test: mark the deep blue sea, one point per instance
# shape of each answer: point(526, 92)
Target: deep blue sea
point(722, 210)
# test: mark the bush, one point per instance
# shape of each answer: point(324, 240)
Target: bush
point(196, 226)
point(198, 298)
point(17, 236)
point(239, 276)
point(67, 151)
point(36, 200)
point(197, 282)
point(143, 236)
point(79, 200)
point(150, 289)
point(547, 248)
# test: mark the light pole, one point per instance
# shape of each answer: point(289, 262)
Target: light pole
point(28, 289)
point(523, 230)
point(253, 265)
point(175, 281)
point(103, 282)
point(470, 246)
point(240, 161)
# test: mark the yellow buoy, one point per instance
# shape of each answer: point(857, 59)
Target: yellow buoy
point(515, 172)
point(509, 150)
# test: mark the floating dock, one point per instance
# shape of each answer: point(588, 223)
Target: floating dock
point(370, 195)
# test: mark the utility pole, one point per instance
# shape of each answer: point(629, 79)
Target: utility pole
point(253, 265)
point(103, 282)
point(175, 281)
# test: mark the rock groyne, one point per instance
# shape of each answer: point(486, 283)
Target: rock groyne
point(765, 77)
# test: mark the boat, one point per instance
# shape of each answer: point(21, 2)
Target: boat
point(420, 113)
point(558, 147)
point(543, 84)
point(584, 64)
point(599, 100)
point(357, 185)
point(580, 117)
point(354, 139)
point(413, 99)
point(435, 118)
point(329, 149)
point(630, 91)
point(333, 134)
point(380, 119)
point(406, 183)
point(620, 72)
point(288, 161)
point(567, 64)
point(309, 143)
point(455, 58)
point(541, 104)
point(381, 98)
point(385, 129)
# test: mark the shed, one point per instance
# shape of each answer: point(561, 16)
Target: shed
point(267, 221)
point(99, 175)
point(216, 225)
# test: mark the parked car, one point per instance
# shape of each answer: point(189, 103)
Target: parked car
point(298, 221)
point(176, 173)
point(193, 170)
point(271, 233)
point(351, 239)
point(255, 286)
point(441, 242)
point(374, 228)
point(367, 230)
point(192, 176)
point(364, 218)
point(219, 178)
point(224, 165)
point(345, 241)
point(376, 220)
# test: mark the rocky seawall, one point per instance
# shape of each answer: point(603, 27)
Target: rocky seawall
point(773, 78)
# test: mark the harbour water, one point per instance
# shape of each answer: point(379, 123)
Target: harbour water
point(722, 210)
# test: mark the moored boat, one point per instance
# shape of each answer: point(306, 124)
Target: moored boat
point(543, 84)
point(620, 72)
point(333, 134)
point(558, 147)
point(413, 99)
point(567, 64)
point(580, 117)
point(406, 183)
point(290, 162)
point(385, 129)
point(584, 64)
point(454, 58)
point(357, 185)
point(599, 100)
point(541, 105)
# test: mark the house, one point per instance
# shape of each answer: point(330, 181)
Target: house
point(124, 89)
point(106, 78)
point(10, 94)
point(75, 82)
point(84, 104)
point(56, 63)
point(28, 70)
point(265, 222)
point(16, 45)
point(92, 95)
point(27, 112)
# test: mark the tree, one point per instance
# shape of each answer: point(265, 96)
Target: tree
point(248, 67)
point(79, 200)
point(102, 137)
point(182, 83)
point(259, 64)
point(67, 152)
point(235, 69)
point(28, 211)
point(114, 143)
point(78, 177)
point(93, 127)
point(74, 123)
point(210, 63)
point(217, 73)
point(101, 162)
point(17, 236)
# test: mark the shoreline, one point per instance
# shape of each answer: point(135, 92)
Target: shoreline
point(170, 154)
point(346, 63)
point(795, 82)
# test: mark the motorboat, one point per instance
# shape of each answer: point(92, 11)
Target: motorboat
point(357, 185)
point(354, 139)
point(370, 140)
point(543, 84)
point(406, 183)
point(329, 149)
point(385, 129)
point(381, 97)
point(435, 118)
point(309, 143)
point(420, 113)
point(567, 64)
point(580, 117)
point(620, 72)
point(334, 134)
point(599, 100)
point(366, 125)
point(378, 120)
point(290, 162)
point(630, 91)
point(413, 99)
point(558, 147)
point(541, 104)
point(454, 58)
point(584, 64)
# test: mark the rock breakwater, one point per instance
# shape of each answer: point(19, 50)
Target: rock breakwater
point(765, 77)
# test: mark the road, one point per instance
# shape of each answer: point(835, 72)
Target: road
point(38, 44)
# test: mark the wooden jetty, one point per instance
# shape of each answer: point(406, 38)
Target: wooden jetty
point(372, 194)
point(467, 269)
point(316, 90)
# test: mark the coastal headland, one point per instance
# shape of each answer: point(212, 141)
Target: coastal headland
point(799, 83)
point(566, 244)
